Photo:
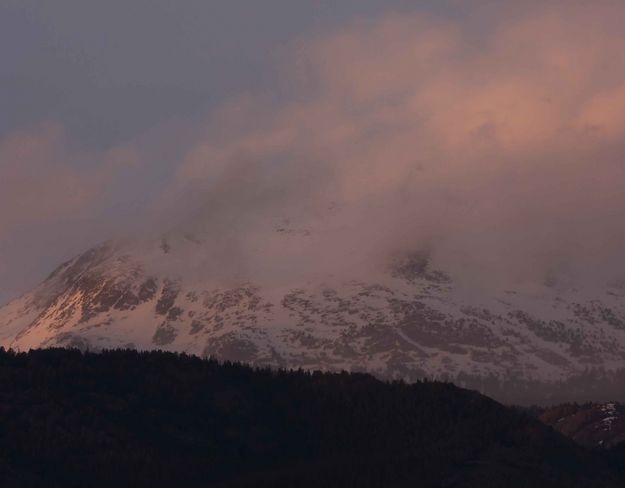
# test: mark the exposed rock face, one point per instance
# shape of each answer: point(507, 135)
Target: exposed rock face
point(599, 425)
point(409, 322)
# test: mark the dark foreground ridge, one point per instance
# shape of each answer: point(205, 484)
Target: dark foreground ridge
point(124, 418)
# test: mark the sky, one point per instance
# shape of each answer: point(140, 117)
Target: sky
point(490, 133)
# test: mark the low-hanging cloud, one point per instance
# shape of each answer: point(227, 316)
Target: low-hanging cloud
point(500, 152)
point(495, 145)
point(52, 194)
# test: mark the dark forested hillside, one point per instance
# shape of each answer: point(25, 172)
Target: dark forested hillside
point(124, 418)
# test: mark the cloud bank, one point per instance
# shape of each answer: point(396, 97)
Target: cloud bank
point(499, 152)
point(51, 198)
point(495, 145)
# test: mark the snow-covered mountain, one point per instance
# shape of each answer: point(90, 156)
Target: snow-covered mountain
point(411, 321)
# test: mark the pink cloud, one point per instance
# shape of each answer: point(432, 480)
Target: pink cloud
point(496, 145)
point(44, 179)
point(52, 194)
point(500, 150)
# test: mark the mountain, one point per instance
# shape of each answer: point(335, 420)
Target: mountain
point(123, 418)
point(408, 321)
point(590, 424)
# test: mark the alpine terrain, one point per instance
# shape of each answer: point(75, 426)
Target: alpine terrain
point(410, 322)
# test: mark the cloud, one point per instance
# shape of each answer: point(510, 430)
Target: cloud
point(52, 194)
point(496, 147)
point(46, 178)
point(493, 143)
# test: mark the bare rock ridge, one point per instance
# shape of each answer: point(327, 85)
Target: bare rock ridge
point(411, 321)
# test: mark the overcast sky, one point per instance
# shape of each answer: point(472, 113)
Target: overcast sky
point(108, 108)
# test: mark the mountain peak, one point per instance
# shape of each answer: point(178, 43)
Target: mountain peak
point(410, 320)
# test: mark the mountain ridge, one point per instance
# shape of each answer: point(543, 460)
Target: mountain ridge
point(411, 321)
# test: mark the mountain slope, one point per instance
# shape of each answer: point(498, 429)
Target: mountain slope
point(591, 424)
point(407, 321)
